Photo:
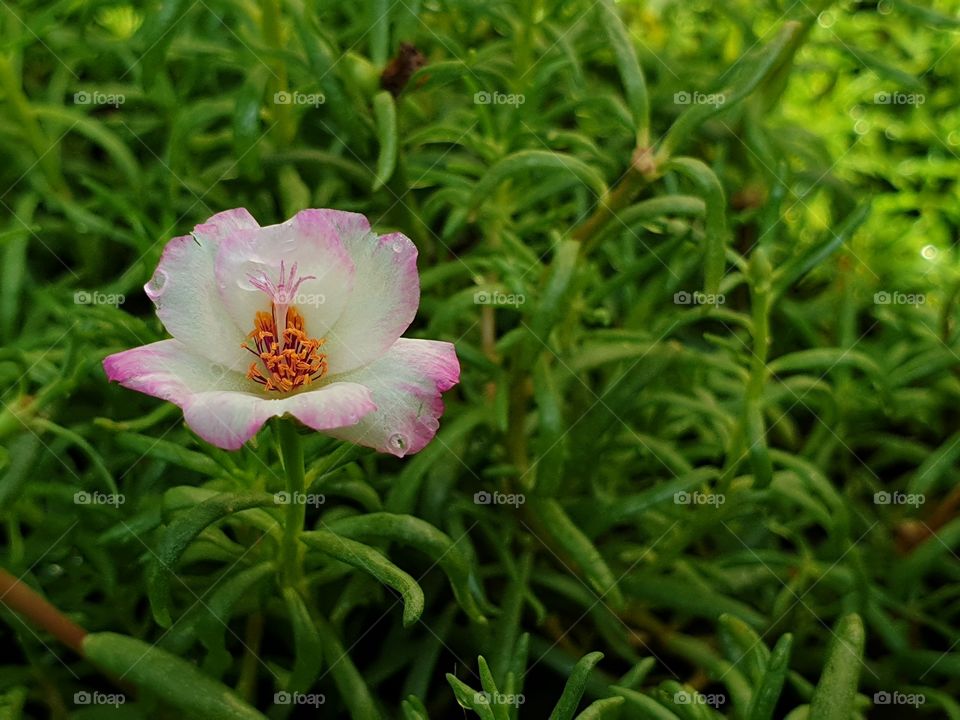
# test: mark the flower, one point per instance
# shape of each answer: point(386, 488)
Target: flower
point(303, 318)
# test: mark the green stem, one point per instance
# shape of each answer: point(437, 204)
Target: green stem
point(291, 453)
point(273, 36)
point(47, 158)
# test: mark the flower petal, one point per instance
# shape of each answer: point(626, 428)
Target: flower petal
point(228, 419)
point(311, 240)
point(222, 406)
point(383, 304)
point(406, 383)
point(171, 371)
point(184, 290)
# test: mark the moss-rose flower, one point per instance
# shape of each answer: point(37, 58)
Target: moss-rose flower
point(302, 318)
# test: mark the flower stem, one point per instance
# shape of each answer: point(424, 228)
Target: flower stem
point(21, 598)
point(291, 453)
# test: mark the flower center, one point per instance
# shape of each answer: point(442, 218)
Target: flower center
point(295, 363)
point(288, 359)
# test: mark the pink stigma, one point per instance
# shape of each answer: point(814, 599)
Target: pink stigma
point(281, 294)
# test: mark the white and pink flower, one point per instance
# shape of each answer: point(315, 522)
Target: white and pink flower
point(340, 297)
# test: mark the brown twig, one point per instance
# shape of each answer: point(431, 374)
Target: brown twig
point(23, 599)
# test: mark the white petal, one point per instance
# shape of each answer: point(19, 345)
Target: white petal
point(184, 290)
point(224, 407)
point(311, 240)
point(385, 298)
point(406, 383)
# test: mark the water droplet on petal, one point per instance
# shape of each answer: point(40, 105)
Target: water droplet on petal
point(156, 285)
point(431, 423)
point(397, 441)
point(397, 246)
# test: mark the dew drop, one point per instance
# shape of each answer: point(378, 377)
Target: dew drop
point(929, 252)
point(431, 423)
point(397, 246)
point(157, 284)
point(397, 441)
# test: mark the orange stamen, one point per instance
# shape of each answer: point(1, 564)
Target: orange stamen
point(289, 361)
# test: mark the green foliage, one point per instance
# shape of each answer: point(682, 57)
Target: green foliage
point(697, 261)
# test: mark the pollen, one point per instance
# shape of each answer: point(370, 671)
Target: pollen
point(286, 362)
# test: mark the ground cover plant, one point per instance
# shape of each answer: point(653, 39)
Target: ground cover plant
point(697, 261)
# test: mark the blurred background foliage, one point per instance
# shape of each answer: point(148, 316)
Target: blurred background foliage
point(714, 492)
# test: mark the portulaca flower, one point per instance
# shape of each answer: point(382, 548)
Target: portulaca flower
point(303, 319)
